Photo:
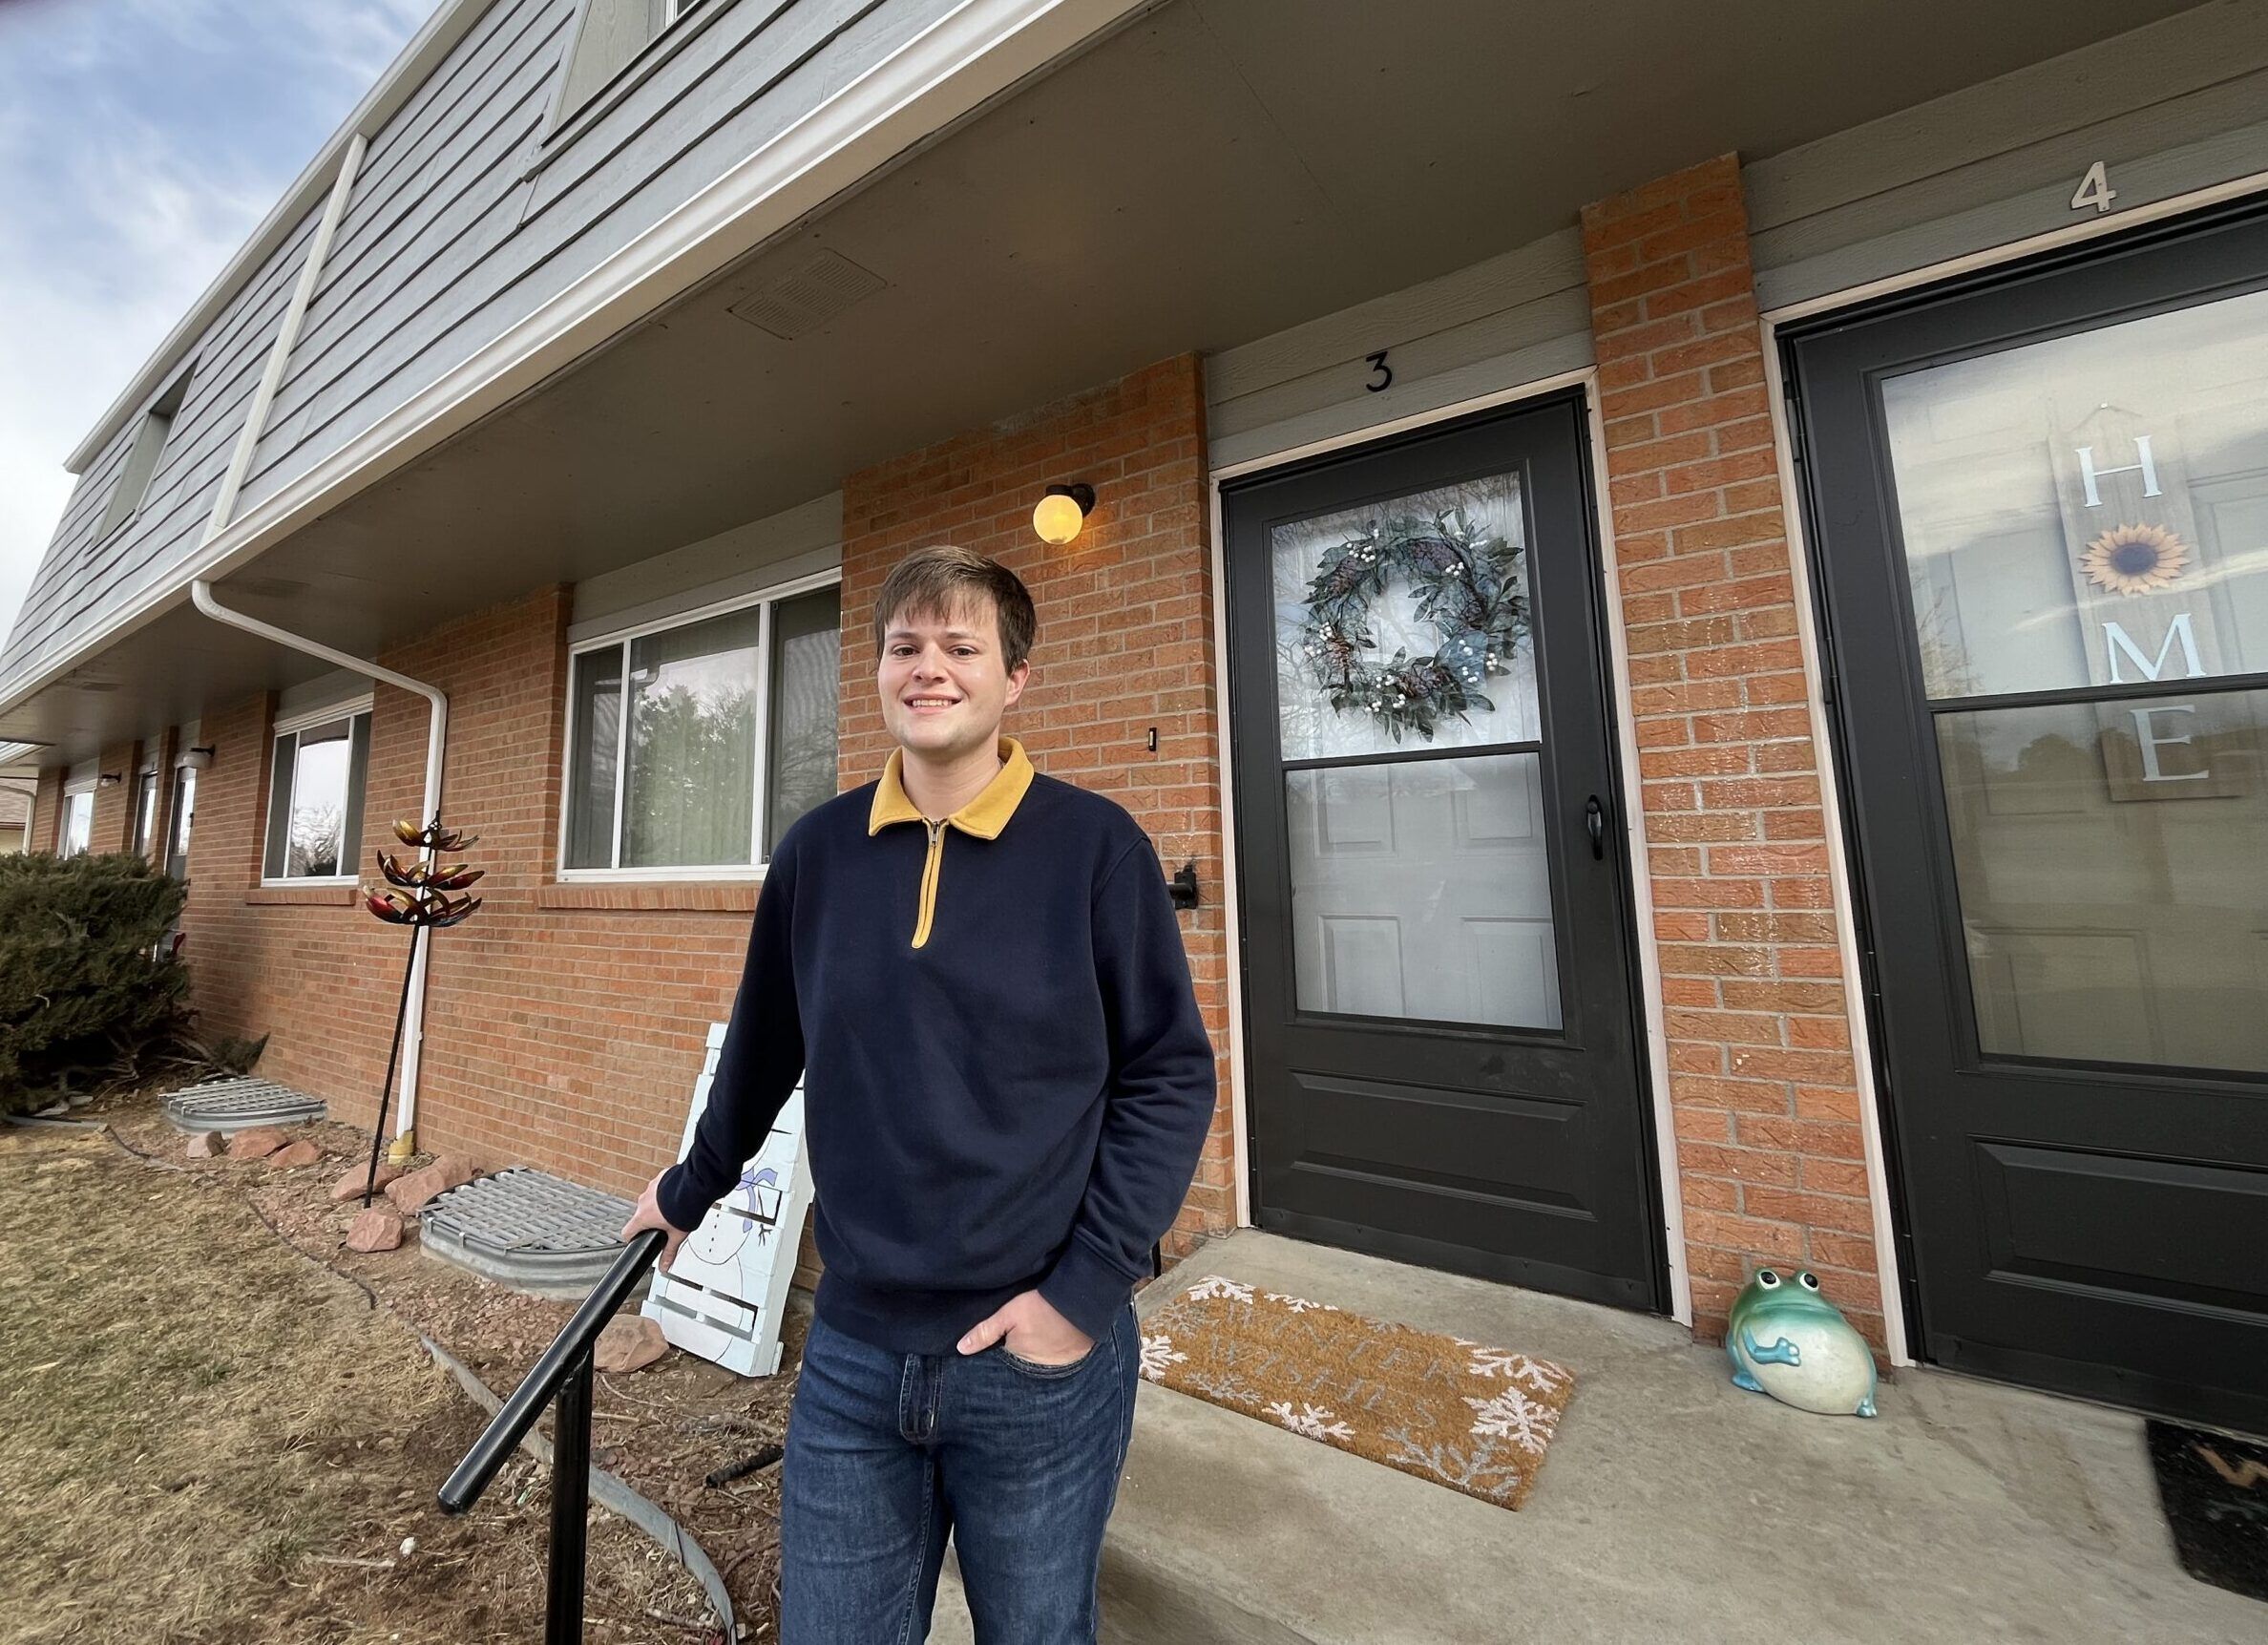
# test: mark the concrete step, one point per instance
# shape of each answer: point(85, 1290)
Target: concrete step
point(1671, 1506)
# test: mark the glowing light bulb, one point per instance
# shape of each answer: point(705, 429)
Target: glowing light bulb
point(1058, 519)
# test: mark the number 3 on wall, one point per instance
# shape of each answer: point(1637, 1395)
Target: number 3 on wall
point(2094, 189)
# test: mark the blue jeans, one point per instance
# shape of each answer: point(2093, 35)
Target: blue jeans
point(887, 1452)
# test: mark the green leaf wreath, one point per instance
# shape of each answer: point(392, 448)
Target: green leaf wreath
point(1466, 582)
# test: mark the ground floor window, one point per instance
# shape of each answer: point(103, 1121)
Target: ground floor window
point(145, 811)
point(693, 745)
point(78, 823)
point(315, 795)
point(176, 828)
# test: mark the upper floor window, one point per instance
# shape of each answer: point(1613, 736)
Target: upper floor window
point(611, 35)
point(141, 458)
point(78, 822)
point(315, 795)
point(692, 745)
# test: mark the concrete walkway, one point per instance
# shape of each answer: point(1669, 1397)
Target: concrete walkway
point(1672, 1507)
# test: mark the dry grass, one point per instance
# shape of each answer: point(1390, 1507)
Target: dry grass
point(203, 1425)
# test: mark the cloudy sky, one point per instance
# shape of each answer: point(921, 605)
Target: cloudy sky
point(140, 142)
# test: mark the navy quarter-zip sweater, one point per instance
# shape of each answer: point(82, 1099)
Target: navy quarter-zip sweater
point(1006, 1079)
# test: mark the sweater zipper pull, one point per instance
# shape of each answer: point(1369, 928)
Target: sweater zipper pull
point(929, 883)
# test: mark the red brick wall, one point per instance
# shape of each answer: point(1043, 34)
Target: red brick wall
point(1769, 1149)
point(114, 806)
point(1125, 644)
point(46, 810)
point(566, 1037)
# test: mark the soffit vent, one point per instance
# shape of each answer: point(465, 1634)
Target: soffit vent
point(810, 297)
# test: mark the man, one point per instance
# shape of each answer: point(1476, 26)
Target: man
point(978, 974)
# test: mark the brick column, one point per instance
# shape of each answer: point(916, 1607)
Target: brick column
point(47, 811)
point(114, 806)
point(1771, 1164)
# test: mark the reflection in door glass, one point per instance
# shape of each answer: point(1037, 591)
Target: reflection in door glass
point(2113, 860)
point(1405, 624)
point(2091, 510)
point(1422, 889)
point(2088, 517)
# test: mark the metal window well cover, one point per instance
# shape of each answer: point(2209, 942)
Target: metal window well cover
point(529, 1230)
point(237, 1105)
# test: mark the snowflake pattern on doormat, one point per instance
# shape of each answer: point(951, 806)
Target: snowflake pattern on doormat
point(1462, 1413)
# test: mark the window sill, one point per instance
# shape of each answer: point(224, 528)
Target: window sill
point(302, 896)
point(713, 896)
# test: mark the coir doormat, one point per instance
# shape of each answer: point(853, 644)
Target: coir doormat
point(1472, 1418)
point(2215, 1495)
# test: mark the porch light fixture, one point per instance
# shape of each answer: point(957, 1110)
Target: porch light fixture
point(109, 780)
point(194, 760)
point(1061, 512)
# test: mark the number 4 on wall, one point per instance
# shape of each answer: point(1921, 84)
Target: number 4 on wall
point(2094, 189)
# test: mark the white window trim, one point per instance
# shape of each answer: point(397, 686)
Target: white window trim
point(345, 709)
point(739, 874)
point(71, 790)
point(285, 728)
point(146, 766)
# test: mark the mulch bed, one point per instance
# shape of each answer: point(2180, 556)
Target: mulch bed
point(660, 1430)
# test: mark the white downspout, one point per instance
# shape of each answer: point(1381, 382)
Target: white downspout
point(200, 593)
point(405, 1143)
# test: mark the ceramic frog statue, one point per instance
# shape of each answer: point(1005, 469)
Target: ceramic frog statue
point(1788, 1340)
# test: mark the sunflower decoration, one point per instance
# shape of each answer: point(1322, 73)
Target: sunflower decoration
point(2132, 560)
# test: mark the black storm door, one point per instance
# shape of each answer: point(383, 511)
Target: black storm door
point(1442, 1064)
point(2040, 506)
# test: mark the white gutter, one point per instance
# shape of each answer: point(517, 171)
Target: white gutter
point(413, 1024)
point(200, 592)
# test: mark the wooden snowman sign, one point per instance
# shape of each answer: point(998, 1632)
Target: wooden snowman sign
point(722, 1298)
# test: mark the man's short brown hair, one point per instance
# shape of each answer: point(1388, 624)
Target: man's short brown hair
point(937, 581)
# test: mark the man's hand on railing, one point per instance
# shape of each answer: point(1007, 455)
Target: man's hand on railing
point(649, 1215)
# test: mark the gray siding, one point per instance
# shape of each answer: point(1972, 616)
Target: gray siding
point(467, 220)
point(1516, 318)
point(87, 578)
point(2170, 109)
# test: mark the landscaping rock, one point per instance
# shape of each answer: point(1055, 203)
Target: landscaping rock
point(350, 1186)
point(376, 1229)
point(629, 1344)
point(206, 1145)
point(409, 1193)
point(256, 1143)
point(299, 1154)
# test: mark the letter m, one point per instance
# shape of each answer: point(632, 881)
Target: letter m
point(2116, 640)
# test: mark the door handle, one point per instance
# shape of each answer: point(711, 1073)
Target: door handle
point(1594, 819)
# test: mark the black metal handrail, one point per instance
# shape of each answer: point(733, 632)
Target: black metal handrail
point(564, 1371)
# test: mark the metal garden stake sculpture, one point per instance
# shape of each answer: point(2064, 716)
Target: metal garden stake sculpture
point(427, 896)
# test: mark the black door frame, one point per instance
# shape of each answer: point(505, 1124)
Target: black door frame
point(2101, 255)
point(1580, 398)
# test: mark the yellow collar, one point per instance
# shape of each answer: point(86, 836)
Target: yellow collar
point(983, 816)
